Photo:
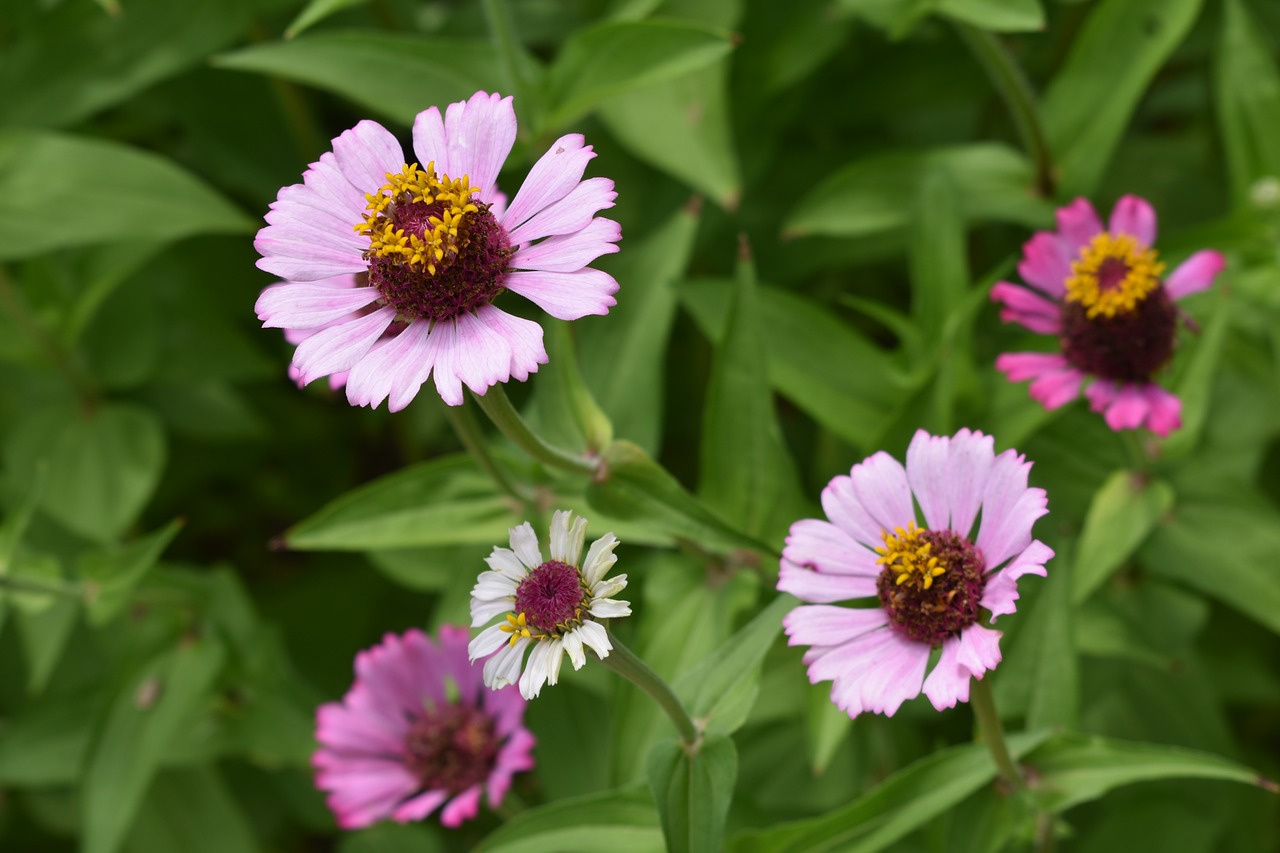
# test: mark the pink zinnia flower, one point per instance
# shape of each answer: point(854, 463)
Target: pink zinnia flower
point(932, 578)
point(417, 732)
point(432, 247)
point(1111, 310)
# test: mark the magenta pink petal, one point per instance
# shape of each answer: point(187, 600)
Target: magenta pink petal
point(876, 672)
point(845, 511)
point(1133, 215)
point(566, 295)
point(298, 305)
point(1002, 587)
point(453, 660)
point(570, 252)
point(822, 624)
point(949, 682)
point(551, 178)
point(809, 585)
point(1078, 224)
point(823, 546)
point(365, 154)
point(1009, 509)
point(1025, 308)
point(1057, 388)
point(523, 336)
point(339, 728)
point(880, 482)
point(1127, 409)
point(1195, 274)
point(340, 347)
point(515, 757)
point(1020, 366)
point(416, 808)
point(462, 807)
point(389, 369)
point(979, 650)
point(430, 144)
point(1165, 413)
point(1046, 263)
point(480, 133)
point(569, 214)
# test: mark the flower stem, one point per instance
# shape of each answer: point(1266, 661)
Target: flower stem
point(1012, 83)
point(1138, 456)
point(984, 708)
point(497, 406)
point(465, 427)
point(625, 663)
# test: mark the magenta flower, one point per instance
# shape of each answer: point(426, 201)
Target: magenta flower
point(417, 732)
point(932, 579)
point(432, 246)
point(1111, 310)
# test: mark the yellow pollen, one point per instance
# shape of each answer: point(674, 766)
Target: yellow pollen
point(911, 557)
point(440, 236)
point(1141, 275)
point(516, 626)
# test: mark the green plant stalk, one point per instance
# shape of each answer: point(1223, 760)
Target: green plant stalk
point(1014, 87)
point(465, 427)
point(625, 663)
point(1138, 456)
point(509, 51)
point(495, 403)
point(992, 731)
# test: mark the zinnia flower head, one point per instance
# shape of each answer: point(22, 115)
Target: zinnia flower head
point(932, 577)
point(1103, 293)
point(416, 733)
point(550, 606)
point(432, 244)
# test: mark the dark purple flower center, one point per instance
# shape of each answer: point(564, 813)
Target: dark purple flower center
point(931, 583)
point(451, 748)
point(551, 596)
point(1127, 347)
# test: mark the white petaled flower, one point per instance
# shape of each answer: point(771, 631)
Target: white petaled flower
point(551, 607)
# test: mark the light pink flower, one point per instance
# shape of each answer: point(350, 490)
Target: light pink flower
point(416, 733)
point(1103, 294)
point(436, 244)
point(931, 577)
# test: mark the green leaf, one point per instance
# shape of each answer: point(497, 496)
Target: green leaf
point(1121, 516)
point(878, 194)
point(45, 742)
point(1195, 383)
point(621, 821)
point(826, 728)
point(110, 574)
point(1247, 95)
point(682, 127)
point(446, 501)
point(739, 424)
point(1113, 61)
point(388, 837)
point(939, 260)
point(131, 194)
point(602, 62)
point(1072, 769)
point(564, 412)
point(145, 718)
point(904, 802)
point(396, 75)
point(1225, 548)
point(315, 12)
point(44, 637)
point(622, 358)
point(1050, 629)
point(693, 791)
point(997, 15)
point(193, 810)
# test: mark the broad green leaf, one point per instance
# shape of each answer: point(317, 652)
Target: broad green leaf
point(904, 802)
point(621, 821)
point(114, 193)
point(998, 15)
point(563, 410)
point(622, 355)
point(805, 342)
point(193, 810)
point(610, 59)
point(1055, 684)
point(44, 637)
point(1247, 95)
point(826, 728)
point(896, 17)
point(878, 194)
point(746, 472)
point(1121, 516)
point(938, 258)
point(103, 465)
point(110, 574)
point(315, 12)
point(693, 791)
point(1195, 383)
point(1111, 65)
point(447, 501)
point(145, 718)
point(387, 837)
point(17, 519)
point(682, 127)
point(45, 742)
point(1072, 769)
point(1224, 548)
point(1148, 621)
point(397, 75)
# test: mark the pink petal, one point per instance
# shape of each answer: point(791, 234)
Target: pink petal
point(480, 133)
point(566, 295)
point(1166, 411)
point(1133, 215)
point(979, 649)
point(948, 475)
point(809, 585)
point(359, 800)
point(332, 190)
point(340, 728)
point(949, 682)
point(395, 368)
point(365, 154)
point(822, 546)
point(483, 355)
point(1195, 274)
point(1025, 308)
point(1124, 407)
point(340, 347)
point(1009, 509)
point(292, 223)
point(515, 756)
point(430, 144)
point(1002, 587)
point(443, 347)
point(1046, 263)
point(551, 178)
point(337, 214)
point(1078, 224)
point(301, 261)
point(1019, 366)
point(570, 252)
point(845, 511)
point(569, 214)
point(298, 305)
point(880, 482)
point(416, 808)
point(453, 654)
point(885, 671)
point(824, 625)
point(927, 475)
point(524, 337)
point(462, 807)
point(1058, 388)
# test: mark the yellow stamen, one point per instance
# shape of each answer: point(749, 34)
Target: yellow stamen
point(1141, 275)
point(905, 551)
point(516, 626)
point(415, 186)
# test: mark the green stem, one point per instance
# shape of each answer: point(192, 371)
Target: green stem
point(984, 708)
point(497, 406)
point(1014, 87)
point(625, 663)
point(1138, 457)
point(509, 53)
point(465, 427)
point(16, 584)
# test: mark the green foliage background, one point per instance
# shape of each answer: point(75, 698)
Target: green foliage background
point(815, 198)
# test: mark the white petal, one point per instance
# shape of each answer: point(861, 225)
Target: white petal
point(573, 646)
point(609, 608)
point(538, 670)
point(504, 668)
point(487, 642)
point(491, 585)
point(504, 561)
point(483, 611)
point(595, 637)
point(600, 558)
point(525, 543)
point(606, 589)
point(560, 521)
